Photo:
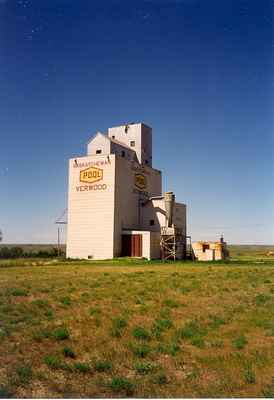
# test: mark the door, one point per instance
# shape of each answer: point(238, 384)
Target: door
point(136, 246)
point(126, 246)
point(132, 245)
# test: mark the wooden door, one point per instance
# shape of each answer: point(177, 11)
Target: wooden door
point(136, 246)
point(132, 245)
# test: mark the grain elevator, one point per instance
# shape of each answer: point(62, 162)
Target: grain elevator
point(115, 201)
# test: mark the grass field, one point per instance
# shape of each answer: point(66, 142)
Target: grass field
point(237, 250)
point(251, 252)
point(134, 328)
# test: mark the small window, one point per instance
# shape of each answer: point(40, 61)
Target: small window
point(146, 162)
point(205, 247)
point(123, 153)
point(132, 143)
point(113, 137)
point(151, 222)
point(98, 151)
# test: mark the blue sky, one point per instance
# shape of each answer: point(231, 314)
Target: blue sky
point(198, 71)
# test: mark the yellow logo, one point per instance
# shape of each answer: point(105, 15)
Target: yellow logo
point(140, 181)
point(90, 175)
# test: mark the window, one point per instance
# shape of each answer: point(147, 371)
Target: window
point(151, 222)
point(146, 162)
point(98, 151)
point(205, 247)
point(123, 153)
point(132, 143)
point(113, 137)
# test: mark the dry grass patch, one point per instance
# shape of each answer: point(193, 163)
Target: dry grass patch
point(152, 330)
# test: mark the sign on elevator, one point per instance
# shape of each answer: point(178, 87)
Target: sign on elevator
point(90, 175)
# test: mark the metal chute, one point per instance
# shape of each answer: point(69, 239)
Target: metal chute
point(169, 206)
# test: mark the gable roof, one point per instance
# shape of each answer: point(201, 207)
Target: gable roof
point(95, 136)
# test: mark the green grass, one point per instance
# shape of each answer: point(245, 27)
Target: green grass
point(194, 332)
point(170, 303)
point(18, 292)
point(239, 342)
point(53, 362)
point(250, 376)
point(24, 373)
point(169, 348)
point(66, 301)
point(122, 385)
point(262, 298)
point(268, 391)
point(102, 366)
point(61, 333)
point(82, 367)
point(144, 368)
point(68, 352)
point(127, 328)
point(160, 326)
point(140, 350)
point(140, 333)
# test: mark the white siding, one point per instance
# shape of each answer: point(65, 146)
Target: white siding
point(96, 217)
point(91, 212)
point(99, 143)
point(138, 133)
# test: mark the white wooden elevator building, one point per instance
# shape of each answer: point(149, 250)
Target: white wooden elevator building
point(115, 201)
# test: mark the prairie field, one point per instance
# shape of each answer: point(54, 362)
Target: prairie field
point(132, 328)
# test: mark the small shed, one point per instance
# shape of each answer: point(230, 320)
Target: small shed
point(210, 251)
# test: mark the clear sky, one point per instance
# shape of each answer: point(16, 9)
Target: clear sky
point(199, 72)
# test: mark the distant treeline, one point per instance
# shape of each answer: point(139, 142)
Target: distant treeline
point(19, 252)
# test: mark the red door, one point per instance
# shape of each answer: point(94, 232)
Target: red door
point(136, 246)
point(132, 245)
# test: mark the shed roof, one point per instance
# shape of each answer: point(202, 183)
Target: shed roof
point(121, 144)
point(110, 140)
